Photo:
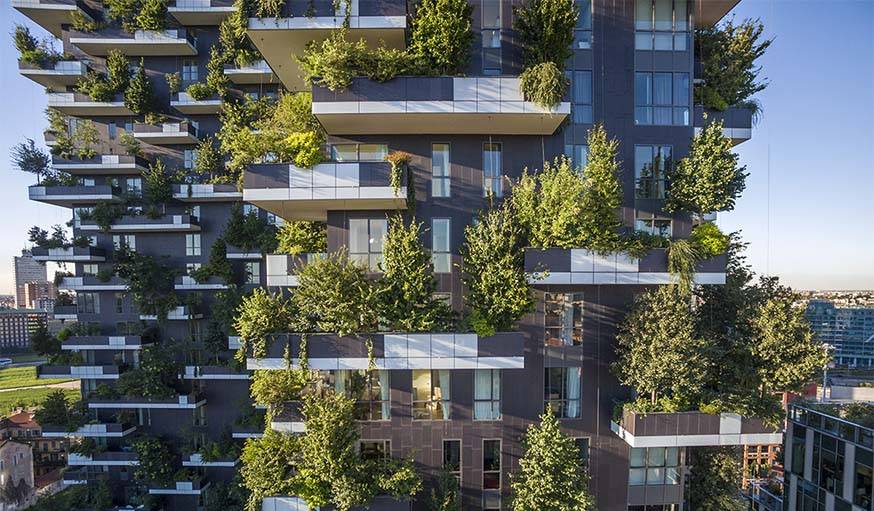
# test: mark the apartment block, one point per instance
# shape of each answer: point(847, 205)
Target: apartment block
point(17, 325)
point(26, 269)
point(849, 329)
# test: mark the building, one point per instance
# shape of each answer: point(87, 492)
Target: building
point(849, 329)
point(16, 476)
point(17, 325)
point(49, 453)
point(40, 295)
point(469, 137)
point(7, 301)
point(26, 269)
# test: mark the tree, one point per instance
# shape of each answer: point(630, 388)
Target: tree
point(709, 178)
point(156, 377)
point(446, 496)
point(249, 232)
point(57, 410)
point(209, 164)
point(658, 352)
point(302, 237)
point(714, 480)
point(138, 97)
point(152, 15)
point(551, 475)
point(26, 157)
point(117, 70)
point(267, 466)
point(260, 315)
point(603, 194)
point(546, 32)
point(157, 189)
point(85, 136)
point(150, 282)
point(275, 388)
point(441, 36)
point(155, 462)
point(43, 342)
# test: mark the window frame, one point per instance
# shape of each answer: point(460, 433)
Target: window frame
point(492, 400)
point(493, 179)
point(444, 179)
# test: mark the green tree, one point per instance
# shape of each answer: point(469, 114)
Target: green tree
point(301, 237)
point(156, 463)
point(249, 231)
point(124, 12)
point(139, 97)
point(714, 480)
point(117, 70)
point(26, 157)
point(43, 342)
point(85, 136)
point(156, 377)
point(275, 388)
point(441, 36)
point(209, 164)
point(709, 178)
point(152, 15)
point(546, 32)
point(150, 282)
point(551, 475)
point(157, 188)
point(260, 315)
point(216, 79)
point(603, 194)
point(267, 466)
point(446, 497)
point(57, 410)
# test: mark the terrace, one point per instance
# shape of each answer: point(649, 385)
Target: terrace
point(201, 12)
point(105, 164)
point(78, 104)
point(71, 196)
point(54, 75)
point(169, 133)
point(141, 43)
point(87, 254)
point(141, 223)
point(693, 429)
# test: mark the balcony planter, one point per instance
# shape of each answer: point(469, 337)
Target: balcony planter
point(196, 460)
point(78, 104)
point(180, 402)
point(142, 43)
point(737, 121)
point(169, 133)
point(184, 103)
point(233, 252)
point(92, 283)
point(105, 459)
point(70, 196)
point(186, 283)
point(254, 74)
point(107, 430)
point(103, 343)
point(85, 372)
point(105, 164)
point(207, 192)
point(180, 313)
point(181, 488)
point(70, 254)
point(693, 429)
point(141, 223)
point(55, 75)
point(213, 373)
point(64, 312)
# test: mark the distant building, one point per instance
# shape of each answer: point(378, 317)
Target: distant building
point(26, 269)
point(40, 295)
point(48, 453)
point(849, 329)
point(16, 476)
point(7, 301)
point(16, 326)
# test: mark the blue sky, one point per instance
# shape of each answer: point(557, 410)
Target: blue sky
point(804, 209)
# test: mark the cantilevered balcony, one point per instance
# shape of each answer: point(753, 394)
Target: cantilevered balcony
point(70, 196)
point(187, 283)
point(183, 102)
point(109, 430)
point(54, 75)
point(92, 283)
point(180, 313)
point(399, 351)
point(77, 104)
point(296, 193)
point(69, 255)
point(693, 429)
point(252, 74)
point(104, 343)
point(434, 105)
point(709, 12)
point(238, 253)
point(142, 223)
point(580, 266)
point(66, 312)
point(302, 21)
point(85, 372)
point(201, 12)
point(196, 460)
point(51, 14)
point(282, 269)
point(181, 488)
point(75, 477)
point(242, 432)
point(105, 164)
point(207, 193)
point(213, 373)
point(142, 43)
point(169, 133)
point(180, 402)
point(104, 459)
point(737, 122)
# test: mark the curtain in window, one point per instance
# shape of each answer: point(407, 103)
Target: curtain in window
point(573, 392)
point(662, 89)
point(445, 395)
point(384, 393)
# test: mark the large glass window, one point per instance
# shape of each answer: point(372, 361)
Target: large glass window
point(493, 173)
point(253, 272)
point(370, 389)
point(491, 37)
point(192, 244)
point(581, 96)
point(375, 450)
point(828, 463)
point(798, 447)
point(358, 152)
point(653, 225)
point(487, 394)
point(862, 478)
point(189, 70)
point(440, 179)
point(582, 444)
point(562, 392)
point(661, 25)
point(661, 99)
point(583, 30)
point(133, 186)
point(431, 394)
point(491, 475)
point(441, 257)
point(563, 319)
point(121, 241)
point(654, 465)
point(579, 155)
point(651, 162)
point(88, 303)
point(189, 157)
point(366, 236)
point(452, 457)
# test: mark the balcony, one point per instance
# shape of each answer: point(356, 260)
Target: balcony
point(766, 495)
point(255, 74)
point(55, 76)
point(201, 12)
point(75, 477)
point(242, 432)
point(77, 104)
point(737, 122)
point(51, 14)
point(70, 196)
point(399, 351)
point(141, 223)
point(69, 254)
point(104, 459)
point(213, 373)
point(109, 430)
point(281, 268)
point(196, 460)
point(302, 21)
point(104, 343)
point(289, 420)
point(66, 312)
point(180, 313)
point(237, 253)
point(181, 488)
point(102, 372)
point(693, 429)
point(105, 164)
point(92, 283)
point(434, 105)
point(583, 267)
point(142, 43)
point(294, 193)
point(207, 193)
point(186, 283)
point(181, 402)
point(169, 133)
point(711, 11)
point(184, 103)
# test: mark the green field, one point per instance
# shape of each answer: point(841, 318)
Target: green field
point(26, 357)
point(29, 397)
point(14, 377)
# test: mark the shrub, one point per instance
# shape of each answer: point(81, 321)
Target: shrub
point(544, 84)
point(400, 162)
point(156, 377)
point(96, 86)
point(150, 282)
point(139, 97)
point(152, 15)
point(260, 315)
point(269, 8)
point(124, 12)
point(26, 157)
point(79, 21)
point(209, 162)
point(199, 91)
point(85, 136)
point(603, 194)
point(174, 82)
point(387, 63)
point(30, 50)
point(156, 462)
point(157, 188)
point(709, 240)
point(300, 237)
point(546, 31)
point(118, 70)
point(104, 214)
point(250, 232)
point(130, 144)
point(441, 36)
point(216, 79)
point(304, 148)
point(57, 410)
point(334, 62)
point(683, 257)
point(268, 466)
point(275, 388)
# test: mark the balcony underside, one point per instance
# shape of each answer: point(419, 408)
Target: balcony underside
point(69, 200)
point(54, 79)
point(166, 138)
point(91, 108)
point(134, 47)
point(50, 16)
point(257, 74)
point(711, 11)
point(193, 16)
point(278, 202)
point(204, 107)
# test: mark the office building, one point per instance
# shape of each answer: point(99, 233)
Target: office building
point(26, 269)
point(850, 330)
point(17, 325)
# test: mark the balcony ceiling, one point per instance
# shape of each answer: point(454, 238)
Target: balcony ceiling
point(460, 123)
point(709, 12)
point(131, 47)
point(52, 79)
point(49, 16)
point(193, 16)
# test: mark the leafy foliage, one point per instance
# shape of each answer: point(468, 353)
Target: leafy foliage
point(548, 204)
point(714, 479)
point(216, 79)
point(546, 31)
point(84, 137)
point(152, 15)
point(603, 195)
point(199, 91)
point(300, 237)
point(157, 188)
point(709, 240)
point(156, 377)
point(57, 410)
point(155, 462)
point(209, 164)
point(544, 84)
point(26, 157)
point(399, 162)
point(104, 214)
point(260, 315)
point(117, 70)
point(174, 82)
point(130, 144)
point(267, 466)
point(441, 36)
point(32, 51)
point(683, 257)
point(446, 496)
point(250, 232)
point(275, 388)
point(139, 97)
point(150, 282)
point(236, 46)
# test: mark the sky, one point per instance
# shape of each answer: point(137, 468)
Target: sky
point(808, 197)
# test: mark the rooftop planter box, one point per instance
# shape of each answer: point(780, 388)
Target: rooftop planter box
point(737, 122)
point(693, 429)
point(206, 193)
point(54, 75)
point(196, 460)
point(201, 12)
point(70, 196)
point(104, 164)
point(282, 268)
point(581, 266)
point(69, 254)
point(64, 312)
point(169, 133)
point(298, 193)
point(92, 283)
point(85, 372)
point(142, 43)
point(434, 105)
point(277, 38)
point(181, 402)
point(180, 313)
point(141, 223)
point(52, 14)
point(213, 373)
point(181, 488)
point(238, 253)
point(186, 283)
point(399, 351)
point(103, 343)
point(184, 103)
point(78, 104)
point(104, 459)
point(107, 430)
point(253, 74)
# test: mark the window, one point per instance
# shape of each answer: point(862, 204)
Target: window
point(452, 457)
point(119, 303)
point(370, 389)
point(654, 465)
point(441, 257)
point(249, 209)
point(579, 155)
point(661, 25)
point(366, 236)
point(431, 394)
point(487, 395)
point(661, 99)
point(651, 162)
point(112, 129)
point(88, 303)
point(583, 30)
point(129, 126)
point(562, 392)
point(563, 319)
point(253, 272)
point(862, 479)
point(491, 475)
point(193, 211)
point(120, 241)
point(374, 450)
point(583, 446)
point(440, 180)
point(828, 463)
point(650, 224)
point(492, 169)
point(134, 186)
point(491, 37)
point(190, 156)
point(89, 269)
point(359, 152)
point(581, 96)
point(189, 70)
point(192, 244)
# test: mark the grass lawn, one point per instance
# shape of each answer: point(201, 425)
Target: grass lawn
point(29, 397)
point(14, 377)
point(26, 357)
